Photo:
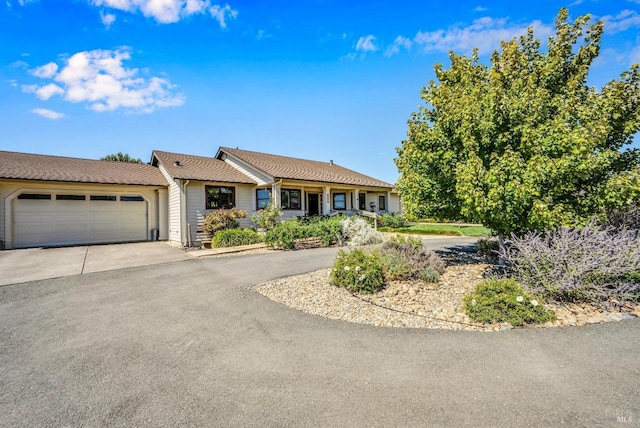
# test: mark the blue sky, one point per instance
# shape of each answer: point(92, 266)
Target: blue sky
point(312, 79)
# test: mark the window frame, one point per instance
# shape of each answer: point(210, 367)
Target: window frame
point(344, 201)
point(207, 201)
point(35, 196)
point(362, 201)
point(71, 197)
point(288, 205)
point(258, 199)
point(382, 203)
point(103, 198)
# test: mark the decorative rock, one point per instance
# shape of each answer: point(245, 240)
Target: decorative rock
point(434, 306)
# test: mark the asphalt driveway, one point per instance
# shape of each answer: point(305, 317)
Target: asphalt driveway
point(186, 343)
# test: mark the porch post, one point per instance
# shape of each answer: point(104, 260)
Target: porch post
point(326, 209)
point(388, 204)
point(275, 195)
point(356, 200)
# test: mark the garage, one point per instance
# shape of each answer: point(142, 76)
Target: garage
point(48, 201)
point(48, 219)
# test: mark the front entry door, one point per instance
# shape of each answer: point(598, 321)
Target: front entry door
point(313, 204)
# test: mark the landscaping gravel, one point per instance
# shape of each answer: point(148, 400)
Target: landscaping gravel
point(414, 304)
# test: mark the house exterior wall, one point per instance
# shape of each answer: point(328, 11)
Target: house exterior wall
point(175, 230)
point(395, 206)
point(9, 190)
point(5, 190)
point(196, 202)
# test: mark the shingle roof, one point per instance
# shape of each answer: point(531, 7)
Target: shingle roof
point(301, 169)
point(200, 168)
point(25, 166)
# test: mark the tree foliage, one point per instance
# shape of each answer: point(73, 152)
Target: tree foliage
point(524, 143)
point(120, 157)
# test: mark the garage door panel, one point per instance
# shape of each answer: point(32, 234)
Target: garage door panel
point(67, 222)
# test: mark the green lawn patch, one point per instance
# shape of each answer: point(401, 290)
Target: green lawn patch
point(441, 229)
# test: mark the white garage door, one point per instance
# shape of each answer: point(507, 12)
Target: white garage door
point(43, 219)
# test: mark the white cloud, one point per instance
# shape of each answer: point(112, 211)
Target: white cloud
point(99, 79)
point(49, 114)
point(45, 71)
point(262, 35)
point(480, 9)
point(367, 44)
point(107, 19)
point(44, 92)
point(19, 64)
point(169, 11)
point(399, 42)
point(621, 22)
point(221, 13)
point(484, 34)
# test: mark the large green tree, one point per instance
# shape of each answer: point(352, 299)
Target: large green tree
point(120, 157)
point(523, 143)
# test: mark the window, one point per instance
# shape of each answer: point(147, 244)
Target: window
point(219, 197)
point(362, 201)
point(102, 198)
point(70, 197)
point(382, 206)
point(290, 199)
point(263, 198)
point(34, 196)
point(131, 198)
point(339, 201)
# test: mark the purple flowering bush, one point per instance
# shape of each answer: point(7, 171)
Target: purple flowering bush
point(593, 264)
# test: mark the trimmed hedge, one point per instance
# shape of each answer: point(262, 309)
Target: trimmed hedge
point(235, 238)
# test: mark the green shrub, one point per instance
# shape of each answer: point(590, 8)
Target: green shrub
point(310, 219)
point(235, 238)
point(397, 240)
point(268, 218)
point(219, 220)
point(393, 221)
point(328, 230)
point(285, 234)
point(394, 267)
point(357, 271)
point(504, 300)
point(429, 275)
point(405, 258)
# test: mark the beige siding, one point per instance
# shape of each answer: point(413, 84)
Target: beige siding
point(245, 200)
point(5, 190)
point(394, 205)
point(175, 233)
point(10, 189)
point(196, 211)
